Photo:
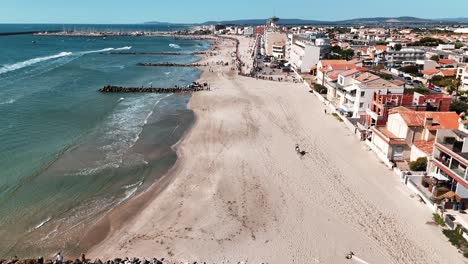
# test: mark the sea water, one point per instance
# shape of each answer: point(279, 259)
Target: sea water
point(68, 153)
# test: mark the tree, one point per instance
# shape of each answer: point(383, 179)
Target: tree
point(419, 165)
point(435, 58)
point(417, 90)
point(459, 45)
point(398, 47)
point(458, 106)
point(320, 88)
point(411, 69)
point(347, 54)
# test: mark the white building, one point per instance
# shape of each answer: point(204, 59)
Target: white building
point(274, 39)
point(425, 65)
point(410, 55)
point(462, 74)
point(279, 49)
point(304, 53)
point(356, 91)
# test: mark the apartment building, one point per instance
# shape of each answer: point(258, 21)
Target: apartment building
point(450, 161)
point(409, 55)
point(409, 135)
point(462, 74)
point(382, 104)
point(305, 53)
point(356, 90)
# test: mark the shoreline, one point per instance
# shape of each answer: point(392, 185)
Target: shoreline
point(124, 213)
point(239, 191)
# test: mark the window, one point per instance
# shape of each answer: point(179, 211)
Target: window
point(361, 105)
point(363, 93)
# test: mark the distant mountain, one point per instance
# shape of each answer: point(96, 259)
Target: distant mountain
point(357, 21)
point(159, 23)
point(374, 20)
point(454, 20)
point(377, 20)
point(257, 22)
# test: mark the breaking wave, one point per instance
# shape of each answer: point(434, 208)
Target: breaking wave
point(19, 65)
point(174, 46)
point(30, 62)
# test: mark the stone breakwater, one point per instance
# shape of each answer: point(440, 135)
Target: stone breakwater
point(187, 89)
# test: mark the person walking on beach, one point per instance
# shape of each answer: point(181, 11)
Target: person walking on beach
point(59, 258)
point(83, 258)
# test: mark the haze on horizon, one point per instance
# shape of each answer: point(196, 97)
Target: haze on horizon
point(189, 11)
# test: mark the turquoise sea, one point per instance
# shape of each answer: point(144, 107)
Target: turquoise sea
point(68, 154)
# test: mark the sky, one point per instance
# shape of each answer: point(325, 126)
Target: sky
point(191, 11)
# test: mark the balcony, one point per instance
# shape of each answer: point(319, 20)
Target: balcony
point(347, 107)
point(351, 96)
point(451, 164)
point(373, 115)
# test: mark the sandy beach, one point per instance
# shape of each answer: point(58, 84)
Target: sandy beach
point(239, 191)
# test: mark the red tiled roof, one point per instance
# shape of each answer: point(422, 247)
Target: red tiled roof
point(350, 72)
point(328, 62)
point(430, 72)
point(334, 76)
point(381, 48)
point(425, 146)
point(367, 77)
point(449, 72)
point(446, 61)
point(361, 69)
point(441, 120)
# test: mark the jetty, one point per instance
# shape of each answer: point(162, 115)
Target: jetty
point(25, 32)
point(194, 87)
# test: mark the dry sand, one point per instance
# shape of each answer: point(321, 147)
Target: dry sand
point(239, 191)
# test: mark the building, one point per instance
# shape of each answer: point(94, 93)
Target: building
point(404, 56)
point(409, 134)
point(305, 53)
point(248, 31)
point(462, 74)
point(428, 74)
point(450, 161)
point(259, 30)
point(279, 49)
point(356, 90)
point(425, 65)
point(382, 104)
point(327, 72)
point(274, 39)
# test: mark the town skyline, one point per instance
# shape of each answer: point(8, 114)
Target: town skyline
point(120, 12)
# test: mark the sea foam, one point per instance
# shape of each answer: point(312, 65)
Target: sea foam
point(19, 65)
point(174, 46)
point(30, 62)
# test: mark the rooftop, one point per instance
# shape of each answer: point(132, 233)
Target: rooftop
point(425, 146)
point(440, 120)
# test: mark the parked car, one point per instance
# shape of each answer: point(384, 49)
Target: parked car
point(408, 78)
point(401, 75)
point(437, 90)
point(417, 82)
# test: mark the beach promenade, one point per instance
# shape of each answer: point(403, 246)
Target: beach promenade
point(240, 192)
